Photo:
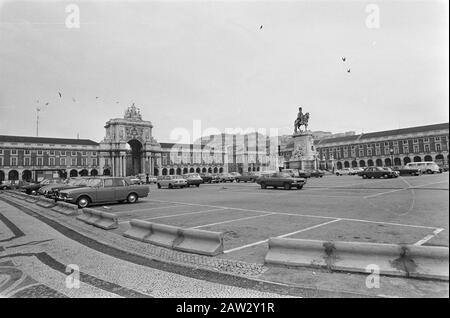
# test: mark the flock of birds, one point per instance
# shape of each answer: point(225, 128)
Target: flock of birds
point(344, 59)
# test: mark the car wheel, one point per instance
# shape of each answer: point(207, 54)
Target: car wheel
point(83, 202)
point(197, 185)
point(170, 186)
point(159, 186)
point(364, 176)
point(429, 171)
point(385, 176)
point(275, 187)
point(287, 186)
point(132, 198)
point(263, 186)
point(237, 180)
point(299, 187)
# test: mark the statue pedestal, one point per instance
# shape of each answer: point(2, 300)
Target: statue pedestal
point(304, 153)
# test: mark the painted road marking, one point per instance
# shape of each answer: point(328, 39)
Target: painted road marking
point(281, 236)
point(414, 187)
point(428, 237)
point(147, 209)
point(181, 214)
point(229, 221)
point(311, 216)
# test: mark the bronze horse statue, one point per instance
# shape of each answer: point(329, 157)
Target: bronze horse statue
point(301, 121)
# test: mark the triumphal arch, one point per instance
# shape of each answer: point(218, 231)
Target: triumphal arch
point(128, 148)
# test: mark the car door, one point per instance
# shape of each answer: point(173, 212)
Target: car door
point(105, 192)
point(120, 189)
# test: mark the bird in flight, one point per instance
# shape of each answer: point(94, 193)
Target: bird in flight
point(348, 71)
point(59, 95)
point(261, 27)
point(73, 99)
point(344, 58)
point(96, 97)
point(47, 103)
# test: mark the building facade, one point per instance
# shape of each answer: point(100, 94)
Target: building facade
point(384, 148)
point(29, 158)
point(129, 148)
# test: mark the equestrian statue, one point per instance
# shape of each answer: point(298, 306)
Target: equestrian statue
point(302, 120)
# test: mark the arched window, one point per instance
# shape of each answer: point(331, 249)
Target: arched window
point(406, 160)
point(379, 162)
point(339, 165)
point(346, 164)
point(370, 163)
point(362, 163)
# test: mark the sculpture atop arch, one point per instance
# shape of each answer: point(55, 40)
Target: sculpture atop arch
point(133, 113)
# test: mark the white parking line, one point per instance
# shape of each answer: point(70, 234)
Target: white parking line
point(147, 209)
point(181, 214)
point(428, 237)
point(281, 236)
point(413, 187)
point(229, 221)
point(311, 216)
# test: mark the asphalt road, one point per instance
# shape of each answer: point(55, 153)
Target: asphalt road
point(409, 210)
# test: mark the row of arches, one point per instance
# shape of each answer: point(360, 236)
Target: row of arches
point(179, 171)
point(26, 175)
point(387, 161)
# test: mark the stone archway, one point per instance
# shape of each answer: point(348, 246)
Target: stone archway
point(417, 159)
point(84, 173)
point(388, 162)
point(106, 172)
point(354, 164)
point(73, 173)
point(134, 157)
point(370, 163)
point(379, 162)
point(13, 175)
point(428, 158)
point(362, 163)
point(94, 172)
point(339, 165)
point(26, 175)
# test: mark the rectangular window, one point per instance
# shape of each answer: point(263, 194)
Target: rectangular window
point(1, 151)
point(396, 150)
point(62, 153)
point(74, 153)
point(426, 148)
point(73, 161)
point(94, 153)
point(361, 153)
point(415, 141)
point(426, 140)
point(377, 151)
point(13, 161)
point(369, 152)
point(395, 143)
point(1, 161)
point(94, 161)
point(40, 161)
point(51, 161)
point(438, 147)
point(52, 152)
point(416, 148)
point(62, 161)
point(27, 161)
point(386, 143)
point(405, 149)
point(84, 153)
point(13, 151)
point(27, 152)
point(39, 152)
point(437, 138)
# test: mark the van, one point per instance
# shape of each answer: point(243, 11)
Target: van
point(425, 166)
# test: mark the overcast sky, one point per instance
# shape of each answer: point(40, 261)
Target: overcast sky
point(181, 61)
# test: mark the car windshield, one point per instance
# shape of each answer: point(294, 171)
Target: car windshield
point(94, 182)
point(283, 174)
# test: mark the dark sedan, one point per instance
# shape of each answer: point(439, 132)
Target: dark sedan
point(405, 171)
point(378, 172)
point(247, 177)
point(317, 173)
point(33, 188)
point(281, 179)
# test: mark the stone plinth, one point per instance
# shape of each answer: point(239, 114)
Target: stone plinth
point(304, 153)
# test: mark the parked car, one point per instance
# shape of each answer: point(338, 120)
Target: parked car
point(48, 190)
point(281, 179)
point(344, 171)
point(215, 178)
point(76, 183)
point(6, 185)
point(356, 171)
point(425, 167)
point(378, 172)
point(226, 177)
point(33, 188)
point(303, 174)
point(206, 177)
point(390, 169)
point(247, 177)
point(261, 175)
point(171, 182)
point(135, 180)
point(104, 189)
point(151, 179)
point(193, 179)
point(317, 173)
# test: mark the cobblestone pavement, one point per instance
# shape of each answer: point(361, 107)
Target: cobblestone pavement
point(34, 261)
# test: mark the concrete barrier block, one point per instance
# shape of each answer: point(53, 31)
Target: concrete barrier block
point(104, 220)
point(45, 202)
point(138, 230)
point(199, 241)
point(162, 235)
point(390, 259)
point(65, 208)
